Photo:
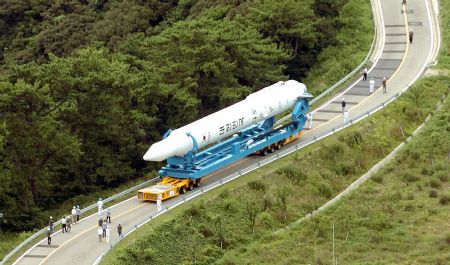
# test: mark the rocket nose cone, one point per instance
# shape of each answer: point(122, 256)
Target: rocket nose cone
point(154, 153)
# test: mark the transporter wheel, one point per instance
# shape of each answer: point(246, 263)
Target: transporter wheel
point(279, 145)
point(272, 148)
point(191, 186)
point(183, 190)
point(197, 183)
point(264, 152)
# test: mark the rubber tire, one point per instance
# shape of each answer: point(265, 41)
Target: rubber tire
point(197, 183)
point(264, 152)
point(182, 190)
point(271, 149)
point(191, 186)
point(278, 146)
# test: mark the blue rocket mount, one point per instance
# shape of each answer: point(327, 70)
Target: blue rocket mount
point(195, 165)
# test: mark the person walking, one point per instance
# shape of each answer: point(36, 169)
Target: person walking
point(49, 235)
point(50, 224)
point(411, 35)
point(119, 230)
point(64, 224)
point(99, 233)
point(384, 82)
point(100, 222)
point(310, 120)
point(108, 215)
point(108, 232)
point(343, 104)
point(74, 215)
point(69, 225)
point(104, 226)
point(365, 71)
point(371, 85)
point(159, 203)
point(100, 206)
point(78, 211)
point(346, 117)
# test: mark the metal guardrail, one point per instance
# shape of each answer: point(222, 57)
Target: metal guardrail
point(84, 210)
point(189, 196)
point(324, 93)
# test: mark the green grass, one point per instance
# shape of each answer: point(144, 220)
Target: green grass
point(401, 216)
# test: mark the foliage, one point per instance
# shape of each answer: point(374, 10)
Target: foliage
point(86, 86)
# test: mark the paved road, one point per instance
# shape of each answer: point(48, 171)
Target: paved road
point(397, 60)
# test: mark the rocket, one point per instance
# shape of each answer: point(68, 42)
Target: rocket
point(257, 107)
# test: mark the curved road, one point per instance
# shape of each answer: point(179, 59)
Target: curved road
point(395, 59)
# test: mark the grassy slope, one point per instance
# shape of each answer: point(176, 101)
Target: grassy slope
point(195, 235)
point(399, 217)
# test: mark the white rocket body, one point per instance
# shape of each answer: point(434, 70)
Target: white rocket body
point(258, 106)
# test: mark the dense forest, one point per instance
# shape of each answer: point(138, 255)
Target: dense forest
point(86, 86)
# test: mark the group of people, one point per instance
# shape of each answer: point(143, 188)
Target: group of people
point(66, 223)
point(345, 113)
point(372, 81)
point(104, 230)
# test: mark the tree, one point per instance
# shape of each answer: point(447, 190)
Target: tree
point(252, 209)
point(282, 196)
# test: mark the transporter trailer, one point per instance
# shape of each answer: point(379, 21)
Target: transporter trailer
point(183, 173)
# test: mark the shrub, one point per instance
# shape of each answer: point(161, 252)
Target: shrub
point(447, 238)
point(266, 219)
point(409, 177)
point(410, 207)
point(230, 205)
point(267, 202)
point(433, 193)
point(257, 185)
point(343, 168)
point(333, 152)
point(378, 179)
point(325, 190)
point(293, 173)
point(354, 139)
point(444, 200)
point(442, 176)
point(435, 184)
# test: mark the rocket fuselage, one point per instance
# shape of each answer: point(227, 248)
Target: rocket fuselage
point(258, 106)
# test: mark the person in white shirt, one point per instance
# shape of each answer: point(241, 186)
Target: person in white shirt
point(64, 224)
point(108, 232)
point(100, 206)
point(73, 217)
point(365, 71)
point(310, 120)
point(371, 85)
point(100, 234)
point(346, 117)
point(159, 202)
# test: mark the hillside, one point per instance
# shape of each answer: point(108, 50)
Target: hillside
point(86, 86)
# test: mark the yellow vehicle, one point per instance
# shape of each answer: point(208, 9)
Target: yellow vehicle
point(167, 188)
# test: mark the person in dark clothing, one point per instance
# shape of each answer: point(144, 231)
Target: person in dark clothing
point(49, 235)
point(104, 226)
point(365, 71)
point(100, 222)
point(403, 2)
point(343, 105)
point(119, 230)
point(384, 84)
point(50, 223)
point(411, 36)
point(78, 212)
